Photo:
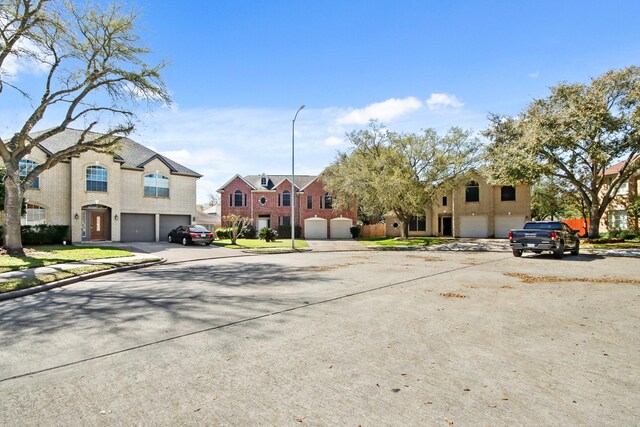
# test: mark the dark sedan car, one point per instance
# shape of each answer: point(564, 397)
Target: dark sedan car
point(189, 234)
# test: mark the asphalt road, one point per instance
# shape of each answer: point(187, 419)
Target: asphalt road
point(347, 338)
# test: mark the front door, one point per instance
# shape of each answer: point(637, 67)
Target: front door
point(98, 225)
point(446, 229)
point(263, 222)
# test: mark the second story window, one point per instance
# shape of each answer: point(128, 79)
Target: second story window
point(507, 193)
point(328, 201)
point(444, 200)
point(156, 185)
point(309, 202)
point(27, 166)
point(96, 178)
point(473, 192)
point(286, 198)
point(237, 199)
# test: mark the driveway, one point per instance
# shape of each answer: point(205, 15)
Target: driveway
point(331, 338)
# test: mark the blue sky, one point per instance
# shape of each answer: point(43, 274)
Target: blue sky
point(239, 70)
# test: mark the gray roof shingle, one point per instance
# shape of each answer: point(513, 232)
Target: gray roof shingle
point(130, 153)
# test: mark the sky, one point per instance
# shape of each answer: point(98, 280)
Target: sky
point(237, 71)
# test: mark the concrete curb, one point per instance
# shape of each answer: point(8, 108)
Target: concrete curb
point(59, 283)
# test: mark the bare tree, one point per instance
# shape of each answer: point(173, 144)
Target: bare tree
point(92, 75)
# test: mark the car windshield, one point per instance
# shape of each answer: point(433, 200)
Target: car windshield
point(198, 229)
point(543, 226)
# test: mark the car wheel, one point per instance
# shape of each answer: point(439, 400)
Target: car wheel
point(185, 242)
point(169, 239)
point(576, 249)
point(559, 253)
point(517, 253)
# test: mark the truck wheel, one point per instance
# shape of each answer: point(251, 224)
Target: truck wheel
point(517, 253)
point(576, 249)
point(559, 253)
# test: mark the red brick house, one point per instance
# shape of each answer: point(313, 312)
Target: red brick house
point(266, 199)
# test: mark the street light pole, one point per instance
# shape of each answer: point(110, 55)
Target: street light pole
point(293, 186)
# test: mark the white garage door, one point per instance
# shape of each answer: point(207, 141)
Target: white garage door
point(473, 226)
point(340, 228)
point(315, 228)
point(505, 223)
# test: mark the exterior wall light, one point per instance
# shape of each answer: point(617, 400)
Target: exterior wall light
point(76, 216)
point(116, 217)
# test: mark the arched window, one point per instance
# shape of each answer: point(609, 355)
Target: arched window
point(286, 198)
point(96, 178)
point(33, 215)
point(263, 181)
point(237, 202)
point(156, 185)
point(473, 192)
point(27, 166)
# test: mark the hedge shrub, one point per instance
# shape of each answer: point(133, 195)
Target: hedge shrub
point(43, 234)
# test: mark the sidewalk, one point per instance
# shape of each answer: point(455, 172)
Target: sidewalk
point(32, 272)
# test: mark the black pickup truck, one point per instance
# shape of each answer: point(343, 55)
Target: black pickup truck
point(539, 236)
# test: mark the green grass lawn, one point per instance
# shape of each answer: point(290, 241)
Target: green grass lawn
point(392, 242)
point(260, 244)
point(627, 244)
point(41, 256)
point(41, 279)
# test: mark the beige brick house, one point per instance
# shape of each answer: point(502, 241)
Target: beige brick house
point(478, 209)
point(617, 216)
point(136, 195)
point(266, 199)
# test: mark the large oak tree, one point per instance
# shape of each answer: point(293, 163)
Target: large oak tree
point(90, 72)
point(573, 135)
point(402, 173)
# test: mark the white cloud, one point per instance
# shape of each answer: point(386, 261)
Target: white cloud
point(384, 111)
point(219, 143)
point(440, 101)
point(334, 141)
point(32, 60)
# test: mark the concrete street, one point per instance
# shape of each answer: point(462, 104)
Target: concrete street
point(331, 338)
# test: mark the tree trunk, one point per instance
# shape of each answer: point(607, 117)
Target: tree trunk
point(12, 236)
point(594, 226)
point(404, 229)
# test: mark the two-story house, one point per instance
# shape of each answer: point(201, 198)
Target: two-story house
point(618, 216)
point(134, 195)
point(478, 209)
point(266, 199)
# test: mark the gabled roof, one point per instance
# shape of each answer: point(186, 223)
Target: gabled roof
point(255, 181)
point(275, 180)
point(131, 154)
point(615, 169)
point(232, 179)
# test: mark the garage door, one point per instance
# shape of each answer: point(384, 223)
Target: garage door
point(505, 223)
point(473, 226)
point(315, 228)
point(138, 228)
point(169, 222)
point(340, 228)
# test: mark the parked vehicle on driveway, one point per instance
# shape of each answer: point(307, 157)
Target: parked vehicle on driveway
point(539, 236)
point(189, 234)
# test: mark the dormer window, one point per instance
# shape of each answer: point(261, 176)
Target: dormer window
point(263, 181)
